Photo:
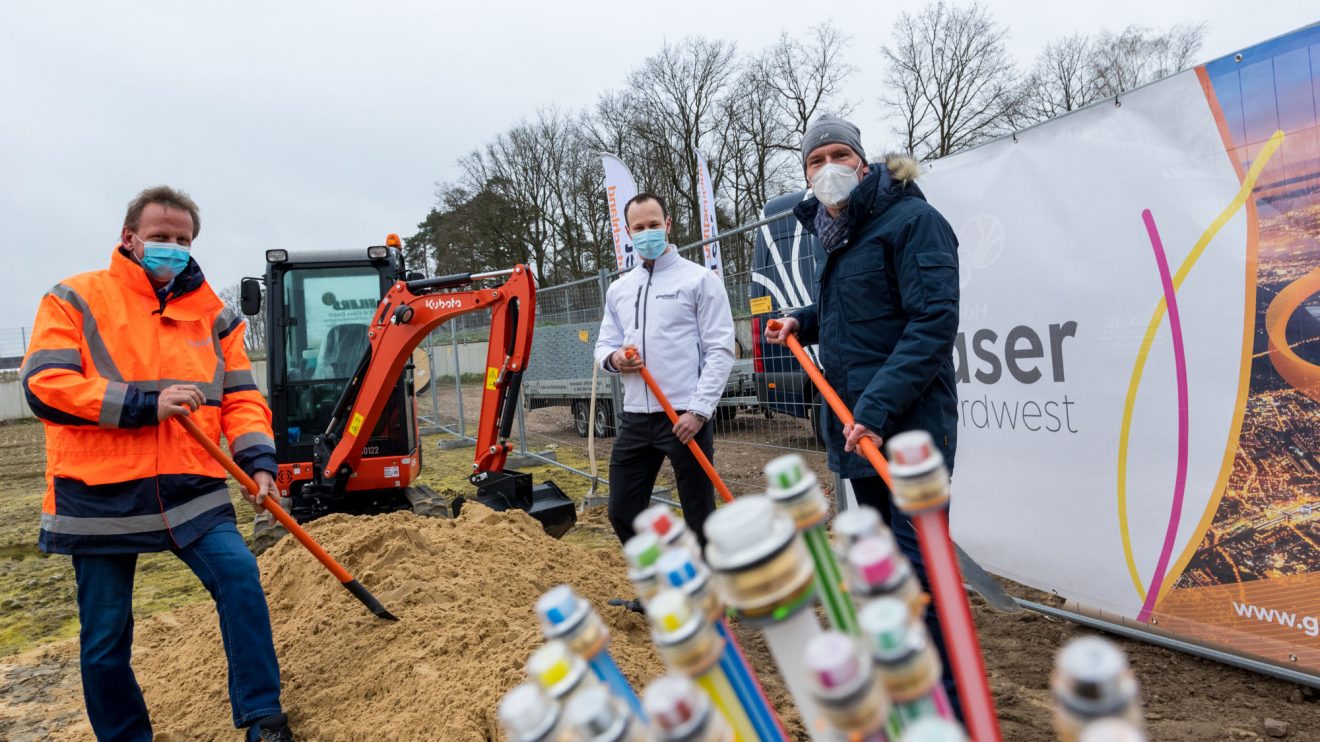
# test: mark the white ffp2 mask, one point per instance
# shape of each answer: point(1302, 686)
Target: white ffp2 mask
point(834, 183)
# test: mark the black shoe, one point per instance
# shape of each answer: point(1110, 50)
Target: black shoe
point(270, 729)
point(633, 605)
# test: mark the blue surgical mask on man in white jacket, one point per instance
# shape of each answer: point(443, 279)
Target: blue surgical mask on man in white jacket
point(676, 313)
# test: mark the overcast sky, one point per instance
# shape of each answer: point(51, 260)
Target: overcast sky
point(327, 124)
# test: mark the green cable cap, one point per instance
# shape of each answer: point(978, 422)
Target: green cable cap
point(884, 624)
point(642, 550)
point(649, 557)
point(785, 472)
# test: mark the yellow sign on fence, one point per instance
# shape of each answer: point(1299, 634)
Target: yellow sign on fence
point(761, 305)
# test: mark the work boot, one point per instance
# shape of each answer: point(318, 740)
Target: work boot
point(270, 729)
point(633, 605)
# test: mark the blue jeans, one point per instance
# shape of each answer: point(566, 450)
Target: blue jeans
point(222, 561)
point(872, 492)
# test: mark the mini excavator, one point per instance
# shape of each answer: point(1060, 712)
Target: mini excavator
point(341, 328)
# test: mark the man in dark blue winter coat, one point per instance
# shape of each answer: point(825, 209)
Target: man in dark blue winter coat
point(885, 316)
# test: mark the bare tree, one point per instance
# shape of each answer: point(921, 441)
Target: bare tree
point(953, 80)
point(803, 78)
point(907, 80)
point(1138, 55)
point(1061, 80)
point(675, 108)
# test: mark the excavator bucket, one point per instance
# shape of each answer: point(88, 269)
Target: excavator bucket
point(510, 490)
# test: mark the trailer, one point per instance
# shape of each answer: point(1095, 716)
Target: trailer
point(559, 375)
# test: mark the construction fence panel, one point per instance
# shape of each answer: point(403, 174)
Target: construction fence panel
point(13, 346)
point(768, 409)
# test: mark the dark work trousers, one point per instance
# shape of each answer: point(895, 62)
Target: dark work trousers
point(642, 444)
point(872, 492)
point(105, 608)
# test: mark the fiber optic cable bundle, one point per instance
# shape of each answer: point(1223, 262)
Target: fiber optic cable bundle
point(566, 616)
point(765, 575)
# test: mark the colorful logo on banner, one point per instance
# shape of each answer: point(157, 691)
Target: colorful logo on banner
point(1250, 578)
point(1138, 356)
point(708, 227)
point(619, 190)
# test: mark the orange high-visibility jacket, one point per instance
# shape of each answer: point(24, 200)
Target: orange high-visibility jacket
point(103, 346)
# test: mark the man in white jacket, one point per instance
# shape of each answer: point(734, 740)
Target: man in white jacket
point(675, 313)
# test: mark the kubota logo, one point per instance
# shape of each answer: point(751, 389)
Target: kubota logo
point(434, 304)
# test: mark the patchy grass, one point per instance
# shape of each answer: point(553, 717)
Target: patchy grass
point(37, 592)
point(37, 595)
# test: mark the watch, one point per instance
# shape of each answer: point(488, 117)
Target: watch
point(699, 416)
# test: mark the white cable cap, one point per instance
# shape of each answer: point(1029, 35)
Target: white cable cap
point(675, 705)
point(594, 715)
point(856, 523)
point(526, 713)
point(741, 524)
point(835, 663)
point(1092, 661)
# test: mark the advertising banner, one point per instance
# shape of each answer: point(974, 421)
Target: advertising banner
point(1138, 361)
point(708, 227)
point(619, 190)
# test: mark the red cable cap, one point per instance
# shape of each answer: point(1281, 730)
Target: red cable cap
point(911, 448)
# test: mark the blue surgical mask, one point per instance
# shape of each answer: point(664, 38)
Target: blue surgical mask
point(164, 260)
point(650, 244)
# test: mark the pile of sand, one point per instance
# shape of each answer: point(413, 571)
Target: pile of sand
point(464, 592)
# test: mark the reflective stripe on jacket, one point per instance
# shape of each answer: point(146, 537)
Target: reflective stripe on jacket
point(103, 346)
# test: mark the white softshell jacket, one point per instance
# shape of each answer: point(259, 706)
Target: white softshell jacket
point(677, 315)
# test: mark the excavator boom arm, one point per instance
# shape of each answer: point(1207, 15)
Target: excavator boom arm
point(407, 314)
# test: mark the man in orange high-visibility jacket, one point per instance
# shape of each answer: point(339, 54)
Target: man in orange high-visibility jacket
point(116, 353)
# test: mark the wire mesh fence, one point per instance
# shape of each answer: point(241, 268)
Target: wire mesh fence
point(13, 346)
point(768, 408)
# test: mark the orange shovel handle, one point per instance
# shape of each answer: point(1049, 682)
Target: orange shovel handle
point(869, 449)
point(942, 570)
point(700, 455)
point(269, 503)
point(353, 586)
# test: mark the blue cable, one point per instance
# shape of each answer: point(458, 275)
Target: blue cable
point(610, 674)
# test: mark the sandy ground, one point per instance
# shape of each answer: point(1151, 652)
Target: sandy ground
point(464, 590)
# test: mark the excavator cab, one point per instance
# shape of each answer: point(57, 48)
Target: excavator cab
point(324, 309)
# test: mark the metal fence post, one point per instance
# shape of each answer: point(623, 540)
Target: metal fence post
point(458, 379)
point(522, 426)
point(430, 371)
point(24, 331)
point(616, 392)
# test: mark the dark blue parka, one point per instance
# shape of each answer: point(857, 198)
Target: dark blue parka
point(886, 314)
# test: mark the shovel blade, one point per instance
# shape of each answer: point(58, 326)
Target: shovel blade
point(369, 600)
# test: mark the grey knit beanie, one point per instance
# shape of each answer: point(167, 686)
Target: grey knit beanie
point(827, 129)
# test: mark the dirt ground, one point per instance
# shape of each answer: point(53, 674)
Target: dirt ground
point(464, 590)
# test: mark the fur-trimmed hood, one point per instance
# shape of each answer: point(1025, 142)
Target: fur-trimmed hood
point(901, 167)
point(887, 182)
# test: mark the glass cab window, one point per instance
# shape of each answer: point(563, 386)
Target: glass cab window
point(326, 316)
